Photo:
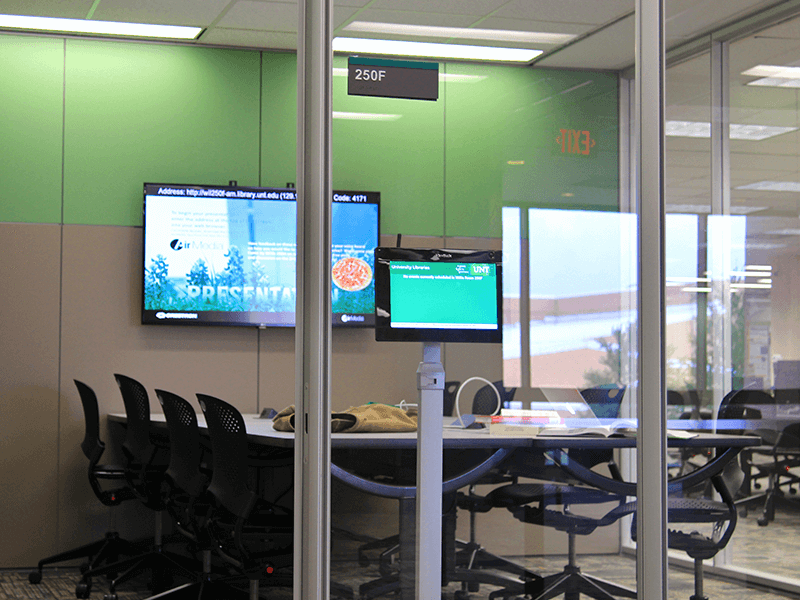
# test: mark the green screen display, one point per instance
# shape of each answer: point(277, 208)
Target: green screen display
point(447, 295)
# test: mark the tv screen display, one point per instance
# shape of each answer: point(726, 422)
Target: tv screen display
point(438, 295)
point(227, 255)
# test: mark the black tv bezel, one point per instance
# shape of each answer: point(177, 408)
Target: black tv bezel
point(384, 332)
point(229, 318)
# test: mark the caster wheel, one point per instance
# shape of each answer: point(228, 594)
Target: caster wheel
point(111, 596)
point(35, 577)
point(473, 586)
point(762, 521)
point(743, 513)
point(460, 595)
point(83, 589)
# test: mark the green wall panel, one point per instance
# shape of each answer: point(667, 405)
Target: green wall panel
point(399, 155)
point(31, 97)
point(146, 112)
point(278, 119)
point(504, 143)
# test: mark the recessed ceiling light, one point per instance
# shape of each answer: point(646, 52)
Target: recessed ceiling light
point(701, 129)
point(499, 35)
point(430, 50)
point(88, 26)
point(771, 186)
point(774, 76)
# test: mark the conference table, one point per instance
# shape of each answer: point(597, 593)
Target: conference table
point(492, 451)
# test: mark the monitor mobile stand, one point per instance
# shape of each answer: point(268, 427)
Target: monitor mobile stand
point(430, 383)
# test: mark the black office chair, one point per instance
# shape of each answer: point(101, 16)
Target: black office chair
point(450, 390)
point(145, 476)
point(775, 459)
point(250, 534)
point(111, 547)
point(473, 562)
point(534, 503)
point(684, 509)
point(186, 481)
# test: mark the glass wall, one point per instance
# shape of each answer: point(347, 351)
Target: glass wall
point(534, 162)
point(731, 162)
point(508, 158)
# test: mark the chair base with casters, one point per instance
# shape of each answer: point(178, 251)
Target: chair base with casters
point(571, 581)
point(163, 565)
point(106, 550)
point(111, 547)
point(471, 564)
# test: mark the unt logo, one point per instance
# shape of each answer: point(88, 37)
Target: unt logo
point(573, 141)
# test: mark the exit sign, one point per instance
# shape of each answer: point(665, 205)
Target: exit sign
point(392, 78)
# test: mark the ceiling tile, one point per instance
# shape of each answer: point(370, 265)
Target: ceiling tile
point(267, 16)
point(163, 12)
point(475, 8)
point(273, 16)
point(566, 11)
point(249, 38)
point(372, 15)
point(65, 9)
point(525, 25)
point(609, 48)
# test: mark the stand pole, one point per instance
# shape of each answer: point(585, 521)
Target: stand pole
point(430, 383)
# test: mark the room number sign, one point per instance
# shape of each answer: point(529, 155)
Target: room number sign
point(392, 78)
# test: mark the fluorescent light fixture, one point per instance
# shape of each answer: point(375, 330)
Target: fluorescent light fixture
point(356, 116)
point(430, 50)
point(774, 76)
point(99, 27)
point(705, 209)
point(751, 286)
point(687, 280)
point(467, 33)
point(449, 77)
point(758, 267)
point(787, 231)
point(771, 186)
point(697, 290)
point(747, 274)
point(701, 129)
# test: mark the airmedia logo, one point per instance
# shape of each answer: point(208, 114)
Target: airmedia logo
point(179, 244)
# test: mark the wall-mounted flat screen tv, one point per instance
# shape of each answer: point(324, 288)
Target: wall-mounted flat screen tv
point(428, 295)
point(226, 255)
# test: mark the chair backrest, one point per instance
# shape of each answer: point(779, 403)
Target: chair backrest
point(184, 443)
point(485, 400)
point(739, 405)
point(92, 446)
point(229, 456)
point(137, 444)
point(450, 390)
point(604, 401)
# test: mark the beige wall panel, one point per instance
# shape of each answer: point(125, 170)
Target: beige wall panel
point(785, 330)
point(102, 335)
point(29, 448)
